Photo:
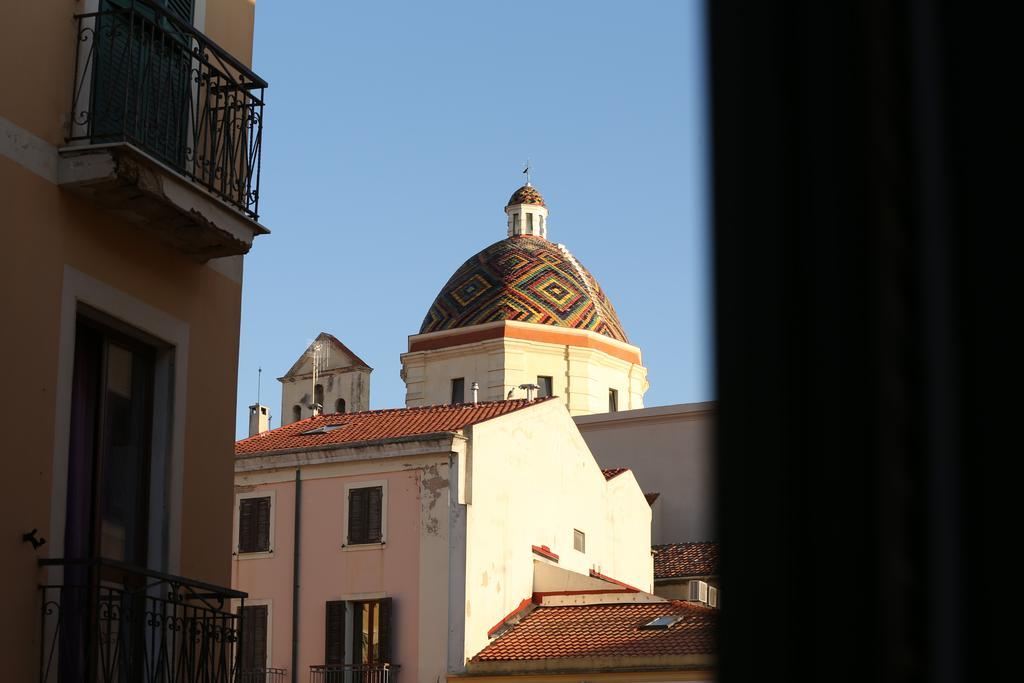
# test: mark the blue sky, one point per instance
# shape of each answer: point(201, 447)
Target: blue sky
point(394, 134)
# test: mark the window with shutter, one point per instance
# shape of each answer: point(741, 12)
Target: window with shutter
point(254, 638)
point(365, 515)
point(254, 525)
point(334, 647)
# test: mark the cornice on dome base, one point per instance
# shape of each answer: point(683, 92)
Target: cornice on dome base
point(513, 329)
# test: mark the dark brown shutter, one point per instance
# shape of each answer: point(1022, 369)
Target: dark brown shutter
point(263, 523)
point(334, 647)
point(254, 637)
point(246, 525)
point(357, 515)
point(373, 514)
point(384, 630)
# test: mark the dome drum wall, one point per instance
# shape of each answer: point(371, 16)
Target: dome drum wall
point(581, 376)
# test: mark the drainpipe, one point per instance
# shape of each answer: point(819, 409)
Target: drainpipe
point(295, 576)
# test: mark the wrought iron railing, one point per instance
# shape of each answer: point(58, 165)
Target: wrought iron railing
point(261, 676)
point(145, 77)
point(109, 622)
point(354, 673)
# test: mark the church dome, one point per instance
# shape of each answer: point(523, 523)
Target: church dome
point(528, 279)
point(527, 194)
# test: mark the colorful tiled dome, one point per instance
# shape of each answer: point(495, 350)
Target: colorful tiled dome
point(528, 279)
point(527, 194)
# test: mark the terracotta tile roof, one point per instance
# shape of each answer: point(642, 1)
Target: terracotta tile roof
point(339, 428)
point(613, 472)
point(651, 497)
point(676, 560)
point(605, 630)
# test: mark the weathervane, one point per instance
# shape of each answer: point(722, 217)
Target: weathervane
point(527, 171)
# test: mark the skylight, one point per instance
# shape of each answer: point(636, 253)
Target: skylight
point(321, 430)
point(662, 622)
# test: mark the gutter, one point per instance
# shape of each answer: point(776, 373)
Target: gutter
point(295, 575)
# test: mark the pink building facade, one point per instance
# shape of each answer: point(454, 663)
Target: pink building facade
point(417, 532)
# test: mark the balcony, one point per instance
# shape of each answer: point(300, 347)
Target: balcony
point(354, 673)
point(107, 622)
point(262, 676)
point(165, 129)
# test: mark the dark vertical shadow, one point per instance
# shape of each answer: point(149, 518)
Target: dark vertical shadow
point(856, 248)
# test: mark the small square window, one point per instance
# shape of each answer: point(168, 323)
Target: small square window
point(579, 541)
point(545, 385)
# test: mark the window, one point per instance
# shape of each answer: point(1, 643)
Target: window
point(254, 638)
point(545, 387)
point(254, 524)
point(318, 397)
point(515, 223)
point(529, 224)
point(369, 625)
point(365, 515)
point(579, 540)
point(339, 406)
point(110, 468)
point(296, 413)
point(458, 390)
point(613, 400)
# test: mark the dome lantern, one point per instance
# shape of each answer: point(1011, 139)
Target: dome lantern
point(527, 213)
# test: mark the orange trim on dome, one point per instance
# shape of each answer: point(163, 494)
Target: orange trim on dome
point(539, 333)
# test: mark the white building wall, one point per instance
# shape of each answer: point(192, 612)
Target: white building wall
point(351, 384)
point(670, 451)
point(531, 480)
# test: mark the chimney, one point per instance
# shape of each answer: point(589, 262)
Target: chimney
point(259, 419)
point(474, 387)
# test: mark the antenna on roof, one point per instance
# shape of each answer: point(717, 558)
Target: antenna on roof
point(318, 352)
point(259, 381)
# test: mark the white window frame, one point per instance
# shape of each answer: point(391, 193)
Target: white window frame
point(370, 483)
point(170, 392)
point(236, 551)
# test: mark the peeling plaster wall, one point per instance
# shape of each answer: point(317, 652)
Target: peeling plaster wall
point(532, 481)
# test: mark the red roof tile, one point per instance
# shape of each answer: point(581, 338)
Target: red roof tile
point(605, 630)
point(371, 425)
point(676, 560)
point(613, 472)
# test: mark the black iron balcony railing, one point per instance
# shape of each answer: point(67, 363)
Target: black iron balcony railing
point(108, 622)
point(261, 676)
point(145, 77)
point(354, 673)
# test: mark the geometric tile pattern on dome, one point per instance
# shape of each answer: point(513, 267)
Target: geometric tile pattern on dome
point(527, 194)
point(524, 278)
